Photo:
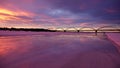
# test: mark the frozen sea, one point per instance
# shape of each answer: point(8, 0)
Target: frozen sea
point(57, 50)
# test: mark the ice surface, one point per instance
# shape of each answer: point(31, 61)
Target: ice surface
point(56, 50)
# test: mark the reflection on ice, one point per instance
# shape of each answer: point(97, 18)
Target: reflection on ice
point(57, 51)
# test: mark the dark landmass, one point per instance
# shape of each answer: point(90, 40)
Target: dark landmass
point(48, 30)
point(27, 29)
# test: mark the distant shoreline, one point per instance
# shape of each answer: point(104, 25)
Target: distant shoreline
point(56, 30)
point(24, 33)
point(27, 29)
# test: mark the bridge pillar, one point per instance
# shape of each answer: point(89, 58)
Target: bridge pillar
point(78, 31)
point(64, 30)
point(96, 31)
point(119, 30)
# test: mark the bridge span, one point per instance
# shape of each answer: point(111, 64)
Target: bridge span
point(102, 29)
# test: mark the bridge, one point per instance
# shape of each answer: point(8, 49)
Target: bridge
point(90, 29)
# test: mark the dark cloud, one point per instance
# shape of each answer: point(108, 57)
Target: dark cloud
point(105, 9)
point(24, 17)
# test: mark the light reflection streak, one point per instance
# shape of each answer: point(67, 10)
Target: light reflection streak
point(12, 44)
point(6, 47)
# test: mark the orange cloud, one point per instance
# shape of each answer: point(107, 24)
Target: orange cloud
point(6, 15)
point(5, 11)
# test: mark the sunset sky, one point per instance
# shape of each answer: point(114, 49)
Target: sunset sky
point(58, 13)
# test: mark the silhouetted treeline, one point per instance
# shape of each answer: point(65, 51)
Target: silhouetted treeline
point(27, 29)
